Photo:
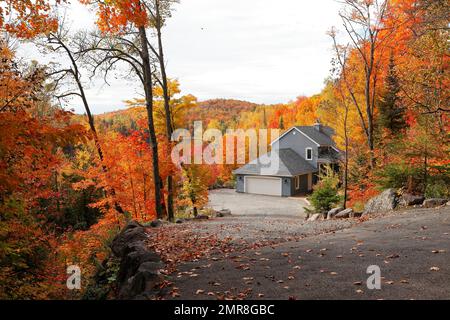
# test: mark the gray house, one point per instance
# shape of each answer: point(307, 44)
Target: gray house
point(299, 153)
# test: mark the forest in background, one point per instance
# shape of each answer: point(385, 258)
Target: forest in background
point(68, 182)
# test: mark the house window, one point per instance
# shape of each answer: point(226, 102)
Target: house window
point(297, 182)
point(309, 154)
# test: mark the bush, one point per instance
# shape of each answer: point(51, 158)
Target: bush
point(399, 175)
point(438, 189)
point(325, 194)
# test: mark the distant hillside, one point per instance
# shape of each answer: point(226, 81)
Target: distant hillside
point(226, 112)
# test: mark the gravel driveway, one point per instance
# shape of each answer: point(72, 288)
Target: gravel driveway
point(411, 248)
point(244, 204)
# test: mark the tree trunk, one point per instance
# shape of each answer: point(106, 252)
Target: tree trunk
point(346, 158)
point(82, 94)
point(148, 85)
point(169, 124)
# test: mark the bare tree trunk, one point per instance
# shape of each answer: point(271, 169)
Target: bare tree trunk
point(169, 124)
point(346, 157)
point(148, 85)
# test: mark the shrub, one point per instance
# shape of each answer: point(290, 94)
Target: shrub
point(325, 193)
point(438, 189)
point(399, 175)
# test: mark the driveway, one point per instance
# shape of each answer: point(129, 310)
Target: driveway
point(243, 204)
point(411, 248)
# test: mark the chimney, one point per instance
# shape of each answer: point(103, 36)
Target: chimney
point(318, 125)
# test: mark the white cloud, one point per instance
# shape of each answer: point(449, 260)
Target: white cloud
point(264, 51)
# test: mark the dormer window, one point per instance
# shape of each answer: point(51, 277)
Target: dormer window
point(309, 154)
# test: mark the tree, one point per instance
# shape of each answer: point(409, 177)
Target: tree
point(27, 19)
point(33, 137)
point(126, 24)
point(58, 42)
point(195, 186)
point(363, 21)
point(325, 193)
point(159, 14)
point(392, 113)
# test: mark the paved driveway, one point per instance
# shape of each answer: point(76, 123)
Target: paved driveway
point(243, 204)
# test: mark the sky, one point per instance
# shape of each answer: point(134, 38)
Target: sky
point(262, 51)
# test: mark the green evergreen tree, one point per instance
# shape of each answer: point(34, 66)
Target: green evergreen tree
point(281, 123)
point(392, 113)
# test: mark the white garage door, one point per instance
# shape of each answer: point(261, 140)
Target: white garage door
point(263, 185)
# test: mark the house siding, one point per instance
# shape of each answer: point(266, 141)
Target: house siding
point(240, 183)
point(298, 142)
point(286, 187)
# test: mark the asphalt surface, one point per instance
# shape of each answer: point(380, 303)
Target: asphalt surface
point(412, 249)
point(244, 204)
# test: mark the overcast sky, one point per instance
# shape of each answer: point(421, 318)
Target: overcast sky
point(263, 51)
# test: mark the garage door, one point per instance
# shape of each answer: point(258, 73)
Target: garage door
point(263, 185)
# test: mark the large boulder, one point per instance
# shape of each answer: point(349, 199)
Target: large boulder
point(385, 201)
point(201, 217)
point(314, 217)
point(156, 223)
point(333, 212)
point(434, 202)
point(139, 266)
point(223, 213)
point(131, 233)
point(344, 214)
point(408, 199)
point(145, 280)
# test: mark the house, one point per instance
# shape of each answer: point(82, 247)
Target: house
point(300, 153)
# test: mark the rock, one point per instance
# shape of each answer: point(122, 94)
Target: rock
point(344, 214)
point(314, 217)
point(133, 232)
point(333, 212)
point(408, 199)
point(201, 217)
point(133, 260)
point(434, 202)
point(139, 266)
point(223, 213)
point(156, 223)
point(179, 221)
point(356, 214)
point(385, 201)
point(448, 204)
point(142, 281)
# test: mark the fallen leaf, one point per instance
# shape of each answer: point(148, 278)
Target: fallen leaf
point(434, 269)
point(404, 281)
point(357, 283)
point(199, 291)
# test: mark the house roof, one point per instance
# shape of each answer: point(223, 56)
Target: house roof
point(321, 138)
point(291, 164)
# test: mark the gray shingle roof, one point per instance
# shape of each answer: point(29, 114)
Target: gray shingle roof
point(321, 137)
point(291, 164)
